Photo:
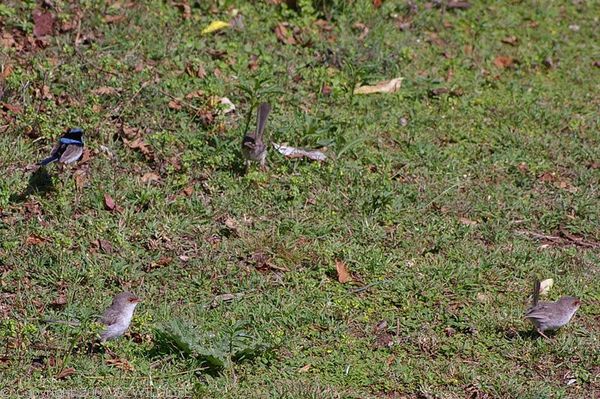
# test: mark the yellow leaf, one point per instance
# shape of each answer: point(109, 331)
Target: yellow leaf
point(388, 86)
point(215, 26)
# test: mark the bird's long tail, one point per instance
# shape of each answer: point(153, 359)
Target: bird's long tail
point(50, 159)
point(536, 292)
point(261, 119)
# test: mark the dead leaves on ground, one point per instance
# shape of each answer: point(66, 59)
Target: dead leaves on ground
point(64, 373)
point(133, 138)
point(387, 86)
point(504, 61)
point(562, 239)
point(121, 364)
point(342, 272)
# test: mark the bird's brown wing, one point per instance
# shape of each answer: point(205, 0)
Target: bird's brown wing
point(71, 154)
point(539, 312)
point(109, 317)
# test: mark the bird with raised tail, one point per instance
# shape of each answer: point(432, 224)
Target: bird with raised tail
point(69, 148)
point(551, 315)
point(253, 145)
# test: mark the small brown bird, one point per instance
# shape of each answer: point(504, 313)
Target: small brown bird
point(118, 316)
point(253, 146)
point(551, 315)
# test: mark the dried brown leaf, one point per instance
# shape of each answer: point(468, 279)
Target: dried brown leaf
point(387, 86)
point(175, 104)
point(120, 364)
point(342, 272)
point(60, 301)
point(109, 203)
point(15, 109)
point(503, 61)
point(35, 239)
point(304, 369)
point(283, 35)
point(186, 10)
point(150, 177)
point(459, 5)
point(467, 221)
point(140, 145)
point(80, 179)
point(111, 19)
point(5, 71)
point(512, 40)
point(363, 28)
point(67, 372)
point(188, 191)
point(105, 91)
point(43, 23)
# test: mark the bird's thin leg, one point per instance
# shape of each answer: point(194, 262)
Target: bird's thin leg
point(542, 333)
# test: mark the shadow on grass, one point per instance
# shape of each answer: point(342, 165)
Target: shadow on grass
point(40, 182)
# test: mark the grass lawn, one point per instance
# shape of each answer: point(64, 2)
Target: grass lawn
point(442, 200)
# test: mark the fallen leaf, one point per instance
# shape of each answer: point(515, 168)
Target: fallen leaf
point(283, 35)
point(512, 40)
point(231, 224)
point(363, 28)
point(164, 261)
point(105, 91)
point(342, 272)
point(131, 132)
point(503, 61)
point(195, 94)
point(111, 19)
point(548, 177)
point(467, 221)
point(6, 71)
point(140, 145)
point(150, 177)
point(189, 190)
point(545, 286)
point(15, 109)
point(60, 301)
point(253, 63)
point(43, 23)
point(227, 105)
point(293, 152)
point(109, 203)
point(214, 27)
point(80, 179)
point(197, 72)
point(184, 258)
point(304, 369)
point(35, 239)
point(186, 10)
point(7, 40)
point(65, 373)
point(175, 104)
point(388, 86)
point(460, 5)
point(120, 364)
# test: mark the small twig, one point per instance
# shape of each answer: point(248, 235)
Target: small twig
point(446, 191)
point(568, 239)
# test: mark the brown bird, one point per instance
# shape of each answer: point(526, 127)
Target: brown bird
point(253, 146)
point(118, 316)
point(550, 315)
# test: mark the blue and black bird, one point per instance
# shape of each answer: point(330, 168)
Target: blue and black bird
point(69, 148)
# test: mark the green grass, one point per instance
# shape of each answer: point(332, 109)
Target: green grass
point(511, 149)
